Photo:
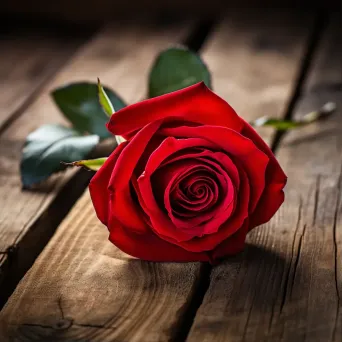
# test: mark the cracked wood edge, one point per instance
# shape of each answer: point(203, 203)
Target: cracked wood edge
point(120, 55)
point(287, 285)
point(27, 62)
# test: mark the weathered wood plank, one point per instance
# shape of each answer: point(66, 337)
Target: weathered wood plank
point(287, 285)
point(122, 299)
point(120, 56)
point(27, 61)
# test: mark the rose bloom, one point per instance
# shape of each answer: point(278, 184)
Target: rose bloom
point(192, 179)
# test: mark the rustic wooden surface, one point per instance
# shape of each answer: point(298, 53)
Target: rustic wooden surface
point(29, 218)
point(82, 288)
point(287, 285)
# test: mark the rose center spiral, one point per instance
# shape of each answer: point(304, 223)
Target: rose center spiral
point(195, 193)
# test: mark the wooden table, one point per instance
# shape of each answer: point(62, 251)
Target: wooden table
point(285, 286)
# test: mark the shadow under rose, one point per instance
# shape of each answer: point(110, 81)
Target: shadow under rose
point(253, 271)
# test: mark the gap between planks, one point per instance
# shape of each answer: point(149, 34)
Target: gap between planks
point(79, 267)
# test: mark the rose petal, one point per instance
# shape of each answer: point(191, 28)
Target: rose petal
point(273, 195)
point(170, 146)
point(196, 103)
point(160, 221)
point(209, 157)
point(98, 186)
point(277, 172)
point(135, 185)
point(148, 246)
point(126, 210)
point(270, 201)
point(233, 245)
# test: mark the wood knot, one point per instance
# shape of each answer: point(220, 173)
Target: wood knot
point(64, 324)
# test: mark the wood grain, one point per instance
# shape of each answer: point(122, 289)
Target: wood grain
point(120, 55)
point(287, 285)
point(82, 288)
point(27, 62)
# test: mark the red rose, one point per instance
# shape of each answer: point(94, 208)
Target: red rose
point(190, 181)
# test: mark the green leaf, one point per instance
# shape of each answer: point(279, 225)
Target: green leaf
point(79, 102)
point(323, 113)
point(90, 164)
point(47, 146)
point(104, 100)
point(176, 68)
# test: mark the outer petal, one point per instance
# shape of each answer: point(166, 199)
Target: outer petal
point(160, 221)
point(196, 103)
point(233, 245)
point(149, 246)
point(271, 200)
point(277, 172)
point(98, 186)
point(126, 210)
point(133, 152)
point(273, 195)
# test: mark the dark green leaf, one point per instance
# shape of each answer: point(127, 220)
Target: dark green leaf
point(79, 102)
point(176, 68)
point(90, 164)
point(104, 100)
point(46, 147)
